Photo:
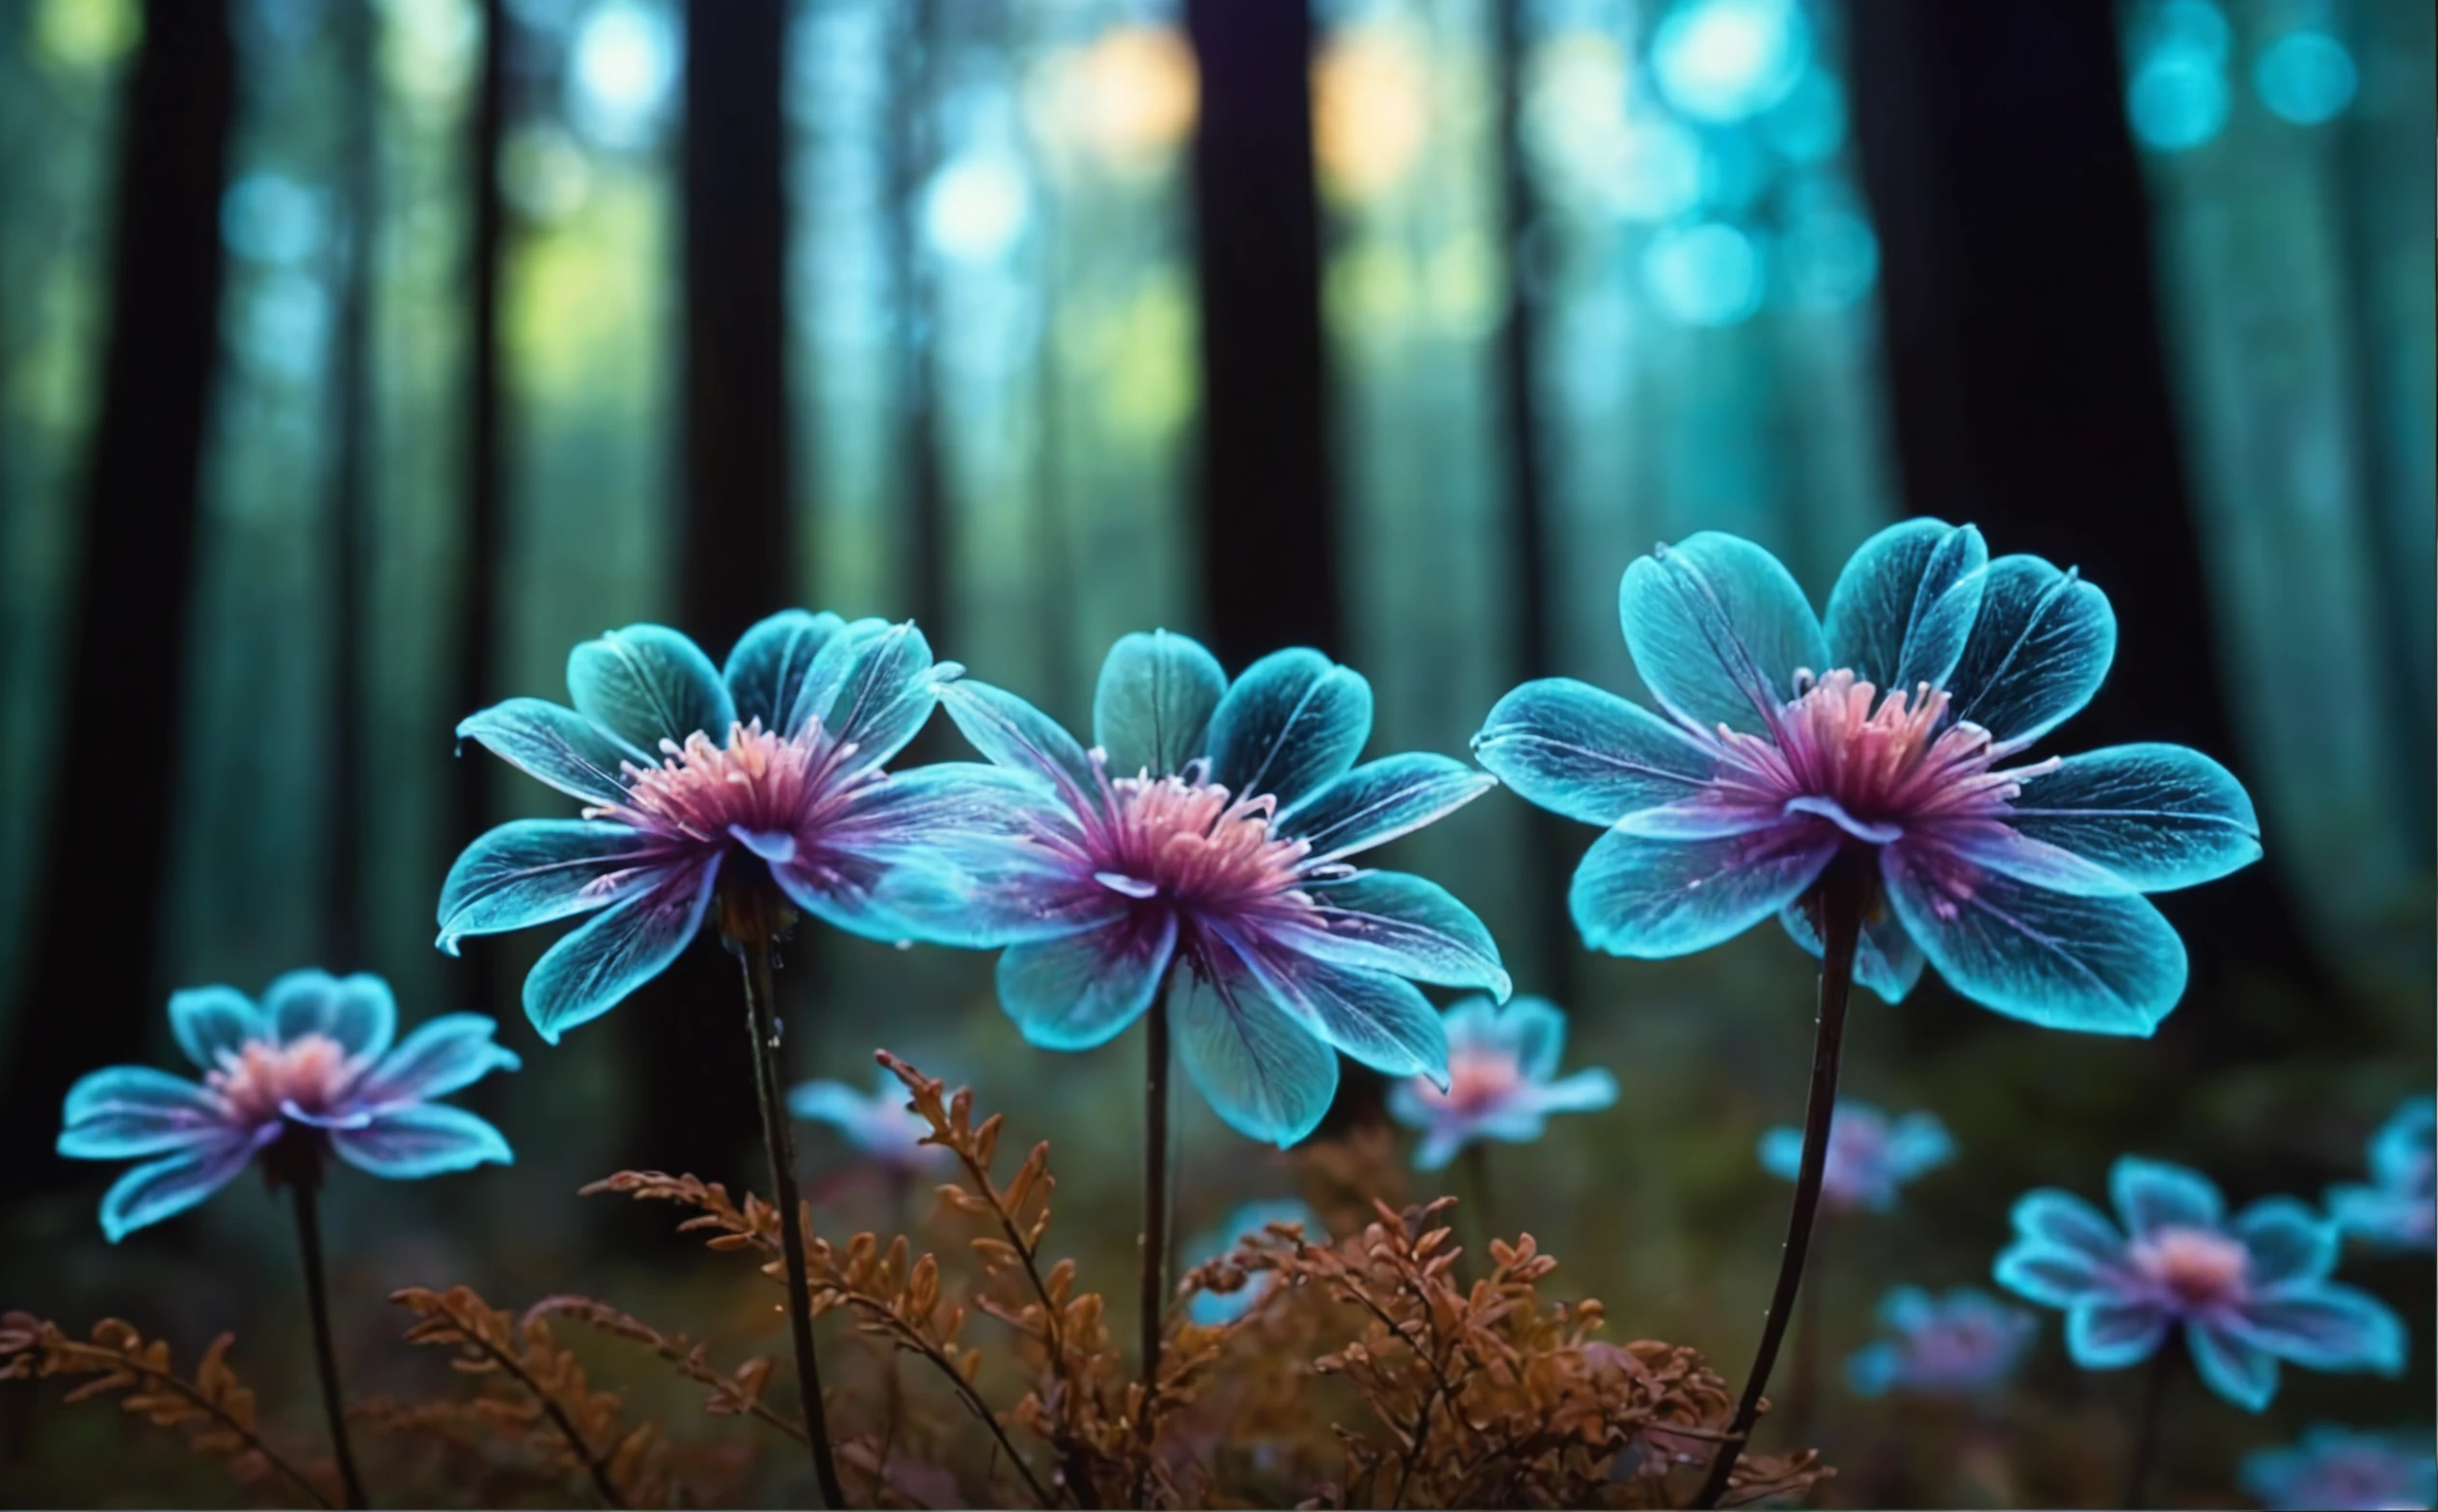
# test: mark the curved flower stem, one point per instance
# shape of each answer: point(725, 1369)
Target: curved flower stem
point(2146, 1432)
point(308, 1240)
point(754, 953)
point(1844, 891)
point(1155, 1239)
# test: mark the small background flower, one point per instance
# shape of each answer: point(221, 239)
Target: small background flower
point(879, 1124)
point(1871, 1157)
point(2333, 1470)
point(1503, 1080)
point(1210, 1308)
point(1962, 1341)
point(2246, 1292)
point(309, 1069)
point(2398, 1210)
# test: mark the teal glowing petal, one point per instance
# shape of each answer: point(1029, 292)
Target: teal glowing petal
point(532, 870)
point(2040, 648)
point(1264, 1071)
point(648, 683)
point(1381, 1020)
point(446, 1055)
point(618, 950)
point(1393, 921)
point(2242, 1373)
point(1634, 895)
point(1294, 720)
point(1082, 990)
point(2161, 816)
point(1578, 750)
point(2104, 1333)
point(358, 1011)
point(2058, 1218)
point(2099, 965)
point(558, 746)
point(422, 1140)
point(882, 689)
point(1151, 709)
point(2151, 1195)
point(2323, 1326)
point(209, 1020)
point(767, 670)
point(165, 1188)
point(1010, 733)
point(1885, 958)
point(124, 1111)
point(1380, 800)
point(1906, 603)
point(2288, 1242)
point(1718, 627)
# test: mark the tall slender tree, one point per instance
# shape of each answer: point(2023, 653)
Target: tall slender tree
point(89, 990)
point(349, 504)
point(2030, 385)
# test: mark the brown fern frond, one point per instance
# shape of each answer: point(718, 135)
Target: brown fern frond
point(732, 1394)
point(216, 1410)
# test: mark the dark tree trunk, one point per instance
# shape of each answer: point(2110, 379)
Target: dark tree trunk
point(2030, 385)
point(89, 997)
point(349, 504)
point(1269, 546)
point(735, 545)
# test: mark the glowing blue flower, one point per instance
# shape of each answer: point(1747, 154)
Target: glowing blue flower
point(2247, 1293)
point(1953, 1345)
point(1211, 1308)
point(2398, 1210)
point(1225, 855)
point(308, 1070)
point(1870, 1156)
point(2336, 1469)
point(882, 1126)
point(1775, 750)
point(1499, 1066)
point(809, 707)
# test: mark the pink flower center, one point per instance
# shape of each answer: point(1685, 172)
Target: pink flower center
point(1182, 839)
point(312, 1071)
point(759, 783)
point(1858, 1153)
point(2196, 1267)
point(1477, 1082)
point(1884, 763)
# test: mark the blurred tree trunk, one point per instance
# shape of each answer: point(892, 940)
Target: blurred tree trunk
point(1268, 510)
point(90, 995)
point(693, 1064)
point(2030, 385)
point(913, 158)
point(349, 502)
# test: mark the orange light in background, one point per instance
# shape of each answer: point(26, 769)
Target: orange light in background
point(1370, 110)
point(1127, 99)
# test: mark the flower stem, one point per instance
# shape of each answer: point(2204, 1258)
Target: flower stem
point(1155, 1239)
point(1844, 890)
point(308, 1240)
point(779, 1139)
point(2147, 1431)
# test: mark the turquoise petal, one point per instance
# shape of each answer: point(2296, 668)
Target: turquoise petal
point(1381, 1020)
point(560, 747)
point(2099, 965)
point(2323, 1326)
point(1906, 603)
point(1010, 733)
point(1380, 800)
point(1265, 1071)
point(2104, 1333)
point(2039, 651)
point(2052, 1277)
point(1576, 750)
point(2151, 1195)
point(449, 1053)
point(1886, 959)
point(1395, 922)
point(1151, 709)
point(358, 1011)
point(1718, 627)
point(1082, 991)
point(1634, 895)
point(765, 671)
point(123, 1112)
point(422, 1140)
point(166, 1188)
point(2048, 1215)
point(532, 871)
point(1291, 723)
point(618, 950)
point(871, 687)
point(2160, 817)
point(2288, 1242)
point(648, 683)
point(207, 1020)
point(2242, 1373)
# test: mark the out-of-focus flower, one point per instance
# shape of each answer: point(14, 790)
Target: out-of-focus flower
point(1205, 837)
point(1950, 1345)
point(1781, 743)
point(2398, 1210)
point(1210, 1308)
point(2334, 1469)
point(771, 767)
point(1501, 1066)
point(882, 1126)
point(2247, 1293)
point(1870, 1155)
point(311, 1069)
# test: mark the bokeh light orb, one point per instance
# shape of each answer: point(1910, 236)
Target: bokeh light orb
point(1726, 60)
point(976, 207)
point(270, 218)
point(621, 73)
point(2306, 78)
point(1371, 109)
point(2178, 99)
point(1831, 259)
point(1707, 274)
